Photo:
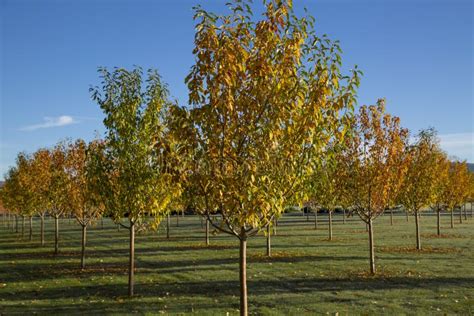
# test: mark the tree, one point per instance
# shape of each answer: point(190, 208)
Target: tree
point(137, 178)
point(456, 189)
point(267, 96)
point(419, 188)
point(374, 159)
point(58, 194)
point(84, 199)
point(441, 182)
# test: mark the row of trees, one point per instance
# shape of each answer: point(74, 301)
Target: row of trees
point(272, 124)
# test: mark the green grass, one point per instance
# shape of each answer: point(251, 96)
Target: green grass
point(307, 274)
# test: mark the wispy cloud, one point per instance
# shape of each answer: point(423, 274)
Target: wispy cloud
point(459, 144)
point(49, 122)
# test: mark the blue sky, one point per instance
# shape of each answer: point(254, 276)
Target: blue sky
point(418, 54)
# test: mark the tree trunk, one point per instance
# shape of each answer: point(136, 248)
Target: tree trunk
point(330, 225)
point(56, 234)
point(207, 232)
point(243, 276)
point(465, 212)
point(42, 230)
point(269, 245)
point(371, 247)
point(22, 226)
point(177, 219)
point(83, 251)
point(460, 215)
point(131, 267)
point(168, 223)
point(16, 223)
point(274, 227)
point(391, 217)
point(344, 216)
point(452, 218)
point(31, 228)
point(471, 209)
point(438, 216)
point(417, 224)
point(315, 219)
point(406, 213)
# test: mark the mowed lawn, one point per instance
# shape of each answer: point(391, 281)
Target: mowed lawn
point(306, 275)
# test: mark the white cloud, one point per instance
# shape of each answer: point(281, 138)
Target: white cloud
point(460, 145)
point(62, 120)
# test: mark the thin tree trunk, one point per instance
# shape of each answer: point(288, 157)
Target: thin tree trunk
point(118, 227)
point(452, 218)
point(131, 267)
point(344, 216)
point(406, 213)
point(391, 217)
point(42, 230)
point(243, 276)
point(31, 228)
point(471, 209)
point(168, 220)
point(330, 225)
point(207, 232)
point(177, 219)
point(417, 224)
point(269, 245)
point(16, 223)
point(83, 251)
point(22, 226)
point(465, 212)
point(460, 215)
point(371, 247)
point(56, 234)
point(438, 216)
point(307, 216)
point(274, 227)
point(315, 219)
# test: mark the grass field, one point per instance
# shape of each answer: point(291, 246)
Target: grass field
point(306, 275)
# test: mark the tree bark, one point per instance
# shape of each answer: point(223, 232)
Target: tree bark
point(315, 219)
point(452, 218)
point(438, 216)
point(207, 232)
point(22, 226)
point(131, 267)
point(330, 225)
point(31, 228)
point(460, 215)
point(344, 216)
point(417, 224)
point(168, 220)
point(391, 217)
point(42, 230)
point(243, 276)
point(406, 213)
point(465, 212)
point(371, 247)
point(56, 234)
point(269, 245)
point(83, 250)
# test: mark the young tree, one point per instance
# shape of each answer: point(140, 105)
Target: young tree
point(268, 97)
point(84, 199)
point(374, 163)
point(419, 188)
point(58, 189)
point(137, 179)
point(440, 182)
point(456, 189)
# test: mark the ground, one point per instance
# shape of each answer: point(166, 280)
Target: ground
point(306, 275)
